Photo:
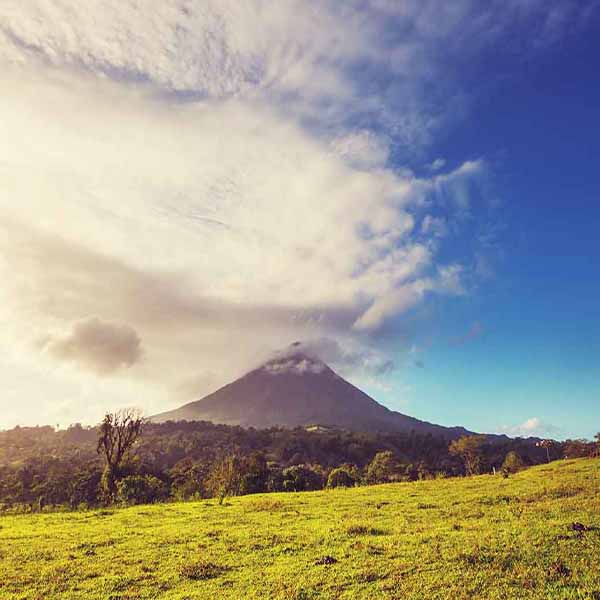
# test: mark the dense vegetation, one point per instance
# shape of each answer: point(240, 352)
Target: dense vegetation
point(533, 535)
point(42, 468)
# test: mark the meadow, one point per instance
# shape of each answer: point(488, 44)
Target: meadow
point(532, 535)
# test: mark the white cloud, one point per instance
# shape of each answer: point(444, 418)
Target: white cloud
point(532, 427)
point(363, 149)
point(213, 178)
point(295, 367)
point(435, 226)
point(437, 164)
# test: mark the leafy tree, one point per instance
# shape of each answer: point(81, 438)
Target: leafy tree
point(383, 468)
point(512, 463)
point(469, 449)
point(344, 476)
point(141, 489)
point(578, 448)
point(117, 434)
point(84, 486)
point(188, 479)
point(302, 478)
point(255, 474)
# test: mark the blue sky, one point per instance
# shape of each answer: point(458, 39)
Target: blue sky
point(529, 338)
point(409, 187)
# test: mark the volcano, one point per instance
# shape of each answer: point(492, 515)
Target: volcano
point(296, 389)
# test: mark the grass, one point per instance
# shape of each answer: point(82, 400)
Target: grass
point(482, 537)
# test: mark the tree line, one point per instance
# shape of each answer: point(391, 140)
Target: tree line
point(126, 460)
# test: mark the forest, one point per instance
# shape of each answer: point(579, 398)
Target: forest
point(42, 468)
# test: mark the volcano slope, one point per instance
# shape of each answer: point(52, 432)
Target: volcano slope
point(296, 389)
point(480, 537)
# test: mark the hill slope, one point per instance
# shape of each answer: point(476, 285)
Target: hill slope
point(297, 389)
point(482, 537)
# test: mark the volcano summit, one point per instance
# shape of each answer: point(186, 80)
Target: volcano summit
point(297, 389)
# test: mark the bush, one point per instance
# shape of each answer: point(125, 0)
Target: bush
point(141, 489)
point(384, 468)
point(302, 478)
point(342, 477)
point(513, 463)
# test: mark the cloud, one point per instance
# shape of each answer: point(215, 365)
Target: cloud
point(345, 354)
point(435, 226)
point(437, 164)
point(220, 178)
point(100, 346)
point(532, 427)
point(405, 296)
point(295, 367)
point(363, 149)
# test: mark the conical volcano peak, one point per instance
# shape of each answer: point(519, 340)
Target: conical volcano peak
point(295, 388)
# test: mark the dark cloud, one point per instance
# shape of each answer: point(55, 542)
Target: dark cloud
point(193, 343)
point(99, 346)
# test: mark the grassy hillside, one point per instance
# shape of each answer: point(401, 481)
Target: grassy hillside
point(484, 537)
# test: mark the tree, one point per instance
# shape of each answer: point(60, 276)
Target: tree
point(255, 474)
point(512, 463)
point(141, 489)
point(302, 478)
point(597, 438)
point(383, 468)
point(578, 448)
point(187, 479)
point(547, 444)
point(344, 476)
point(469, 449)
point(117, 434)
point(224, 478)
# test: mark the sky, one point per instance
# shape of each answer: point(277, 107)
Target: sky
point(411, 188)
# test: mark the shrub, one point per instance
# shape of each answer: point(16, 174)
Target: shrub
point(302, 478)
point(512, 464)
point(342, 477)
point(384, 468)
point(141, 489)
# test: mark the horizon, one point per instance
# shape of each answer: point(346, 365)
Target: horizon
point(410, 189)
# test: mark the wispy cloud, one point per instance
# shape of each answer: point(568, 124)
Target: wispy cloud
point(212, 180)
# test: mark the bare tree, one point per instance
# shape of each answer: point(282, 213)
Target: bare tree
point(117, 434)
point(224, 477)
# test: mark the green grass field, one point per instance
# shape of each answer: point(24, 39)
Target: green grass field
point(483, 537)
